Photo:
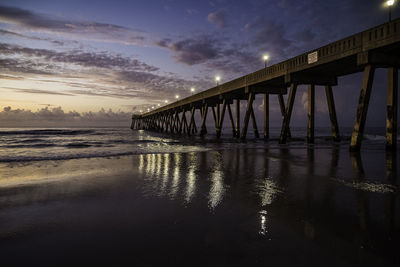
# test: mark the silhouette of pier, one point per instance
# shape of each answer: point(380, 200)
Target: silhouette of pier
point(378, 47)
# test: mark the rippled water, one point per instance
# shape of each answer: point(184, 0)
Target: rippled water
point(21, 144)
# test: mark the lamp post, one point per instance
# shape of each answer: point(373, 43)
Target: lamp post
point(177, 96)
point(265, 57)
point(390, 3)
point(166, 101)
point(217, 79)
point(192, 90)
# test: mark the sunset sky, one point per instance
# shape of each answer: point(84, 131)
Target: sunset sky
point(85, 56)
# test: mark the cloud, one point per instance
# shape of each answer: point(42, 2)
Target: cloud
point(56, 116)
point(86, 59)
point(270, 36)
point(36, 91)
point(56, 42)
point(218, 18)
point(94, 74)
point(89, 30)
point(194, 50)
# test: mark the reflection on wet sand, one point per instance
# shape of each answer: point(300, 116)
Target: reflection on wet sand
point(337, 201)
point(217, 187)
point(321, 203)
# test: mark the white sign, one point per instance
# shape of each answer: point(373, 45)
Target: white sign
point(313, 57)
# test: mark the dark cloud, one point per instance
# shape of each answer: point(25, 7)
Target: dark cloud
point(193, 50)
point(105, 75)
point(85, 30)
point(56, 42)
point(56, 116)
point(218, 18)
point(36, 91)
point(24, 66)
point(86, 59)
point(270, 36)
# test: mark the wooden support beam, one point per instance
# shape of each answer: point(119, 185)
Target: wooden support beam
point(247, 115)
point(185, 124)
point(332, 113)
point(254, 122)
point(194, 127)
point(232, 122)
point(237, 118)
point(391, 108)
point(362, 108)
point(203, 130)
point(310, 114)
point(288, 114)
point(266, 116)
point(218, 113)
point(181, 128)
point(191, 119)
point(167, 123)
point(221, 118)
point(176, 122)
point(215, 118)
point(283, 110)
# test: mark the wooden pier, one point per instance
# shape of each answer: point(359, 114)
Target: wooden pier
point(378, 47)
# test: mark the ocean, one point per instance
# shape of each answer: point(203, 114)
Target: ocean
point(113, 196)
point(33, 144)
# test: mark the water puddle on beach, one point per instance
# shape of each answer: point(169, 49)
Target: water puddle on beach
point(269, 205)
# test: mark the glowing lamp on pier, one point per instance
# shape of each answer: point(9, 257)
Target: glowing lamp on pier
point(166, 101)
point(141, 111)
point(148, 109)
point(192, 90)
point(390, 3)
point(217, 79)
point(158, 105)
point(177, 96)
point(265, 58)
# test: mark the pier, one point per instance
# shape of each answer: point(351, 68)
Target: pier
point(378, 47)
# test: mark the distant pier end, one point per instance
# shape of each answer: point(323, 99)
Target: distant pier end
point(378, 47)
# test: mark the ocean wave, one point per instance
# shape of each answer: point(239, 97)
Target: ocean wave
point(41, 145)
point(46, 132)
point(99, 154)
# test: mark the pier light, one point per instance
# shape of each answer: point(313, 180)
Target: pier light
point(152, 107)
point(158, 105)
point(265, 58)
point(177, 96)
point(390, 3)
point(192, 90)
point(217, 79)
point(141, 111)
point(148, 109)
point(166, 101)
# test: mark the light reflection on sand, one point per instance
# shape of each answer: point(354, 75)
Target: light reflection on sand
point(269, 191)
point(191, 178)
point(176, 176)
point(217, 188)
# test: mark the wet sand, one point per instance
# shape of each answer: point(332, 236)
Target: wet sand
point(293, 206)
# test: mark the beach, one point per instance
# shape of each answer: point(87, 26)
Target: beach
point(240, 204)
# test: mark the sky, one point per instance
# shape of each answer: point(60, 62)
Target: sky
point(74, 61)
